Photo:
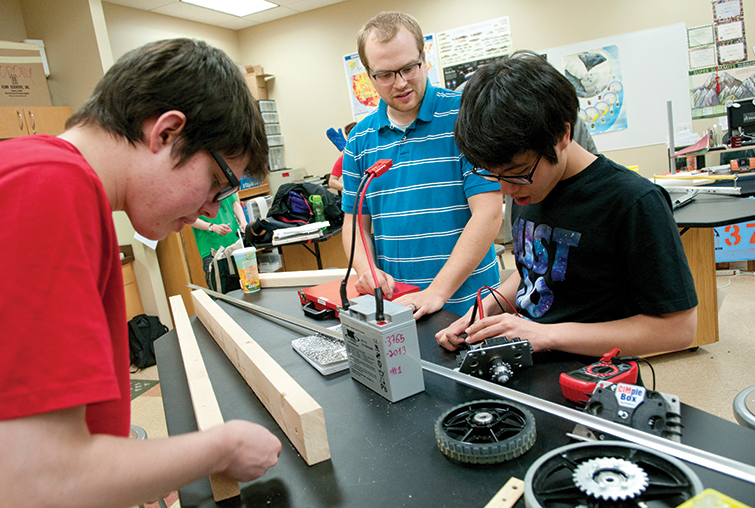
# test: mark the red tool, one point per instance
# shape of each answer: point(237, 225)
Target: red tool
point(324, 300)
point(579, 384)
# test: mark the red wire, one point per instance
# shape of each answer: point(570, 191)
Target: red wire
point(479, 300)
point(361, 232)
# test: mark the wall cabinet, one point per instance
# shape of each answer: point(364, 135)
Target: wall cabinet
point(22, 121)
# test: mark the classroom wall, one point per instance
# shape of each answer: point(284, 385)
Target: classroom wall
point(130, 28)
point(11, 21)
point(305, 52)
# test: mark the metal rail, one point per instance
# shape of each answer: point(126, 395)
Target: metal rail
point(256, 309)
point(702, 458)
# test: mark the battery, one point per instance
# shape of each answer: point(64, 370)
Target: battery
point(384, 356)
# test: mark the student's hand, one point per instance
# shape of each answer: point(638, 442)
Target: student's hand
point(511, 327)
point(221, 229)
point(254, 450)
point(365, 284)
point(453, 336)
point(424, 302)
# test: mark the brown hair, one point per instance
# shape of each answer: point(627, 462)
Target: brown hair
point(188, 76)
point(384, 27)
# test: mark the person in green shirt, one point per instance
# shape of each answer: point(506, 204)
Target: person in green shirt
point(212, 234)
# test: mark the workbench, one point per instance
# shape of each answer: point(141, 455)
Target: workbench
point(382, 454)
point(696, 221)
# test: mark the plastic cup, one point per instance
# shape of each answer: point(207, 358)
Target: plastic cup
point(246, 265)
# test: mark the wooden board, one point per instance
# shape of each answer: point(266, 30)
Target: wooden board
point(206, 409)
point(700, 249)
point(297, 413)
point(301, 278)
point(508, 495)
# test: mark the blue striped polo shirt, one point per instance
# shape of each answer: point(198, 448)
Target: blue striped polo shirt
point(419, 207)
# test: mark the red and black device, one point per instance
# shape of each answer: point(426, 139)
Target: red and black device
point(321, 302)
point(579, 384)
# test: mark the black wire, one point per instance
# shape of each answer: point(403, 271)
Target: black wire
point(624, 359)
point(355, 218)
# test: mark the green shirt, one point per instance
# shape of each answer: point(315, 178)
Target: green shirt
point(207, 240)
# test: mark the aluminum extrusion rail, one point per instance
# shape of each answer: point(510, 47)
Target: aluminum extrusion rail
point(256, 309)
point(702, 458)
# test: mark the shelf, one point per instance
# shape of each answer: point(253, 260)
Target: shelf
point(259, 190)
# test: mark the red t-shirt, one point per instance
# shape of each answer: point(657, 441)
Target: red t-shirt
point(337, 170)
point(62, 309)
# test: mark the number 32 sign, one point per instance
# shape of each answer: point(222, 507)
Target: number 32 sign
point(735, 242)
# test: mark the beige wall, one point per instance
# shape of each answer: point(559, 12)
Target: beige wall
point(11, 21)
point(130, 28)
point(304, 52)
point(68, 31)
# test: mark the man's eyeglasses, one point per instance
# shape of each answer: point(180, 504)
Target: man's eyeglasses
point(516, 180)
point(233, 182)
point(389, 77)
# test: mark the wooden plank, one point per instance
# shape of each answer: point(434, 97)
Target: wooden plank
point(173, 269)
point(699, 246)
point(301, 278)
point(206, 409)
point(508, 495)
point(297, 413)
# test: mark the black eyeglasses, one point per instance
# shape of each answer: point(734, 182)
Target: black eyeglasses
point(233, 182)
point(389, 77)
point(516, 180)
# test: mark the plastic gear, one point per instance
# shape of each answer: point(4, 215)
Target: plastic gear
point(610, 478)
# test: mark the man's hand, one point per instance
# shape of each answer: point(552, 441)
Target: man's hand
point(365, 285)
point(254, 450)
point(422, 303)
point(453, 336)
point(221, 229)
point(503, 325)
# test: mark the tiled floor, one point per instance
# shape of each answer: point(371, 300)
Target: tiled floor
point(147, 413)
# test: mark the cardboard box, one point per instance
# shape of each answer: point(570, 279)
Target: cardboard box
point(256, 79)
point(22, 76)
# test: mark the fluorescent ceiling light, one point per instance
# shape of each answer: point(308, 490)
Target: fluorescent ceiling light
point(238, 8)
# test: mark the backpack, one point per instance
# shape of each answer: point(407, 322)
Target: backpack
point(291, 203)
point(291, 208)
point(222, 275)
point(143, 330)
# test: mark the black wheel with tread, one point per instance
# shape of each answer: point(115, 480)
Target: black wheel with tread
point(485, 432)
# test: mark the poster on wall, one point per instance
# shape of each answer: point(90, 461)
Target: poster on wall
point(455, 75)
point(363, 97)
point(731, 43)
point(596, 75)
point(474, 42)
point(710, 88)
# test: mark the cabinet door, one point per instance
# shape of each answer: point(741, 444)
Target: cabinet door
point(12, 122)
point(47, 120)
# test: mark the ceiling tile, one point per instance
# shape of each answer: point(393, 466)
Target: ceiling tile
point(146, 5)
point(308, 5)
point(271, 14)
point(195, 13)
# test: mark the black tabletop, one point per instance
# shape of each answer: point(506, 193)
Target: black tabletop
point(714, 210)
point(384, 454)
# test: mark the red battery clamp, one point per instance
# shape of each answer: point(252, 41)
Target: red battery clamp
point(579, 384)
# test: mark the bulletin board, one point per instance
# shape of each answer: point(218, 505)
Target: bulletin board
point(654, 70)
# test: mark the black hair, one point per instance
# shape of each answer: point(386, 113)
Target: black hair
point(518, 103)
point(189, 76)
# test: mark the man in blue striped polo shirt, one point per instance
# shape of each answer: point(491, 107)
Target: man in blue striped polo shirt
point(433, 219)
